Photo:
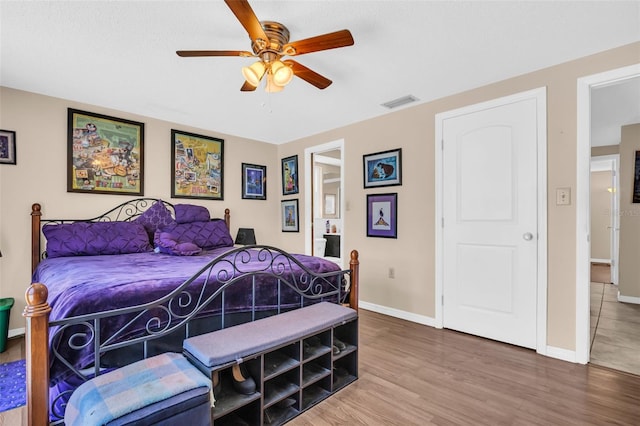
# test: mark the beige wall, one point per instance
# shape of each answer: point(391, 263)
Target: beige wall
point(629, 275)
point(600, 215)
point(598, 151)
point(412, 129)
point(41, 126)
point(40, 123)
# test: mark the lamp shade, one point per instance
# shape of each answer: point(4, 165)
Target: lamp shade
point(282, 74)
point(253, 73)
point(245, 236)
point(271, 87)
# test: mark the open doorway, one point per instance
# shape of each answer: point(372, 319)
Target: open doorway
point(324, 201)
point(602, 311)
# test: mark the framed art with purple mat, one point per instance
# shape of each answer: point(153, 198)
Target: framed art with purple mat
point(382, 215)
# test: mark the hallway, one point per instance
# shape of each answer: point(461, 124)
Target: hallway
point(615, 329)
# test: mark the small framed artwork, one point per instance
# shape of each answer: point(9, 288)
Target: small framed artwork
point(197, 166)
point(382, 215)
point(290, 175)
point(383, 168)
point(254, 182)
point(7, 147)
point(329, 204)
point(636, 178)
point(290, 216)
point(105, 154)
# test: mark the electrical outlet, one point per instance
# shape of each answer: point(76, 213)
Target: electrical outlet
point(392, 273)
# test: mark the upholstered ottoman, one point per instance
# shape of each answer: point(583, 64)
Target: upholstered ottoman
point(162, 390)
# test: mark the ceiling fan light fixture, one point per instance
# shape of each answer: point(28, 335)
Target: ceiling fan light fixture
point(271, 87)
point(253, 73)
point(282, 74)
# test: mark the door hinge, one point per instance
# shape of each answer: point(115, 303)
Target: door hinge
point(442, 144)
point(442, 300)
point(443, 221)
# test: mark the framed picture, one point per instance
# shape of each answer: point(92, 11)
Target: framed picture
point(254, 182)
point(329, 204)
point(197, 166)
point(382, 215)
point(290, 216)
point(7, 147)
point(290, 175)
point(636, 178)
point(383, 168)
point(105, 154)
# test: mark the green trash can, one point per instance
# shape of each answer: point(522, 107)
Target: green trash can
point(5, 310)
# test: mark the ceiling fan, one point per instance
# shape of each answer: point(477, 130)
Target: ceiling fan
point(270, 42)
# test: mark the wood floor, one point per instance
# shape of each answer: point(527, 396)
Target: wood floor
point(417, 375)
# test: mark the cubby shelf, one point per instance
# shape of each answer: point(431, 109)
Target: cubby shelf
point(290, 378)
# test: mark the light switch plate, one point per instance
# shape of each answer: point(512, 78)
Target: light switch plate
point(563, 196)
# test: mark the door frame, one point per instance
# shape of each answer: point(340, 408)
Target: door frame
point(611, 163)
point(583, 200)
point(308, 195)
point(540, 95)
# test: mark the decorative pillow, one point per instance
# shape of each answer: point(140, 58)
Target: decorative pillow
point(95, 238)
point(166, 244)
point(187, 213)
point(155, 217)
point(206, 235)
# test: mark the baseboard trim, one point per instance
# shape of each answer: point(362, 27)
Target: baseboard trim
point(561, 354)
point(397, 313)
point(628, 299)
point(15, 332)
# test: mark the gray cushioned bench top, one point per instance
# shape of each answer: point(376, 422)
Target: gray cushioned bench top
point(234, 343)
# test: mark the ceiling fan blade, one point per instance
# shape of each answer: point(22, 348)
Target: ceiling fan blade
point(333, 40)
point(308, 75)
point(247, 18)
point(246, 87)
point(192, 53)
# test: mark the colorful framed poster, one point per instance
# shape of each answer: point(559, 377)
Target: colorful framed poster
point(290, 175)
point(383, 168)
point(105, 154)
point(197, 166)
point(7, 147)
point(254, 182)
point(290, 215)
point(382, 215)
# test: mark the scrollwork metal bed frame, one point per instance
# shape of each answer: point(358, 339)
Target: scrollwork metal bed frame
point(164, 315)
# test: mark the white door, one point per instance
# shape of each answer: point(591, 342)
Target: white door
point(490, 239)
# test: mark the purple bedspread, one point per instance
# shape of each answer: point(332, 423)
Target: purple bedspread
point(89, 284)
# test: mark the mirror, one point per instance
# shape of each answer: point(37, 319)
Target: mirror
point(327, 175)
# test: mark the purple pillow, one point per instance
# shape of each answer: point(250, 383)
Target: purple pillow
point(155, 217)
point(95, 238)
point(206, 235)
point(187, 213)
point(166, 244)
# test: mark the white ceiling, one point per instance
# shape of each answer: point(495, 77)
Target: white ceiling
point(613, 106)
point(121, 55)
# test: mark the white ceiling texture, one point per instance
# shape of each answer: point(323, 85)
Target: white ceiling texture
point(121, 55)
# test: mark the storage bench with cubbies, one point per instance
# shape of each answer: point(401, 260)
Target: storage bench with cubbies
point(296, 358)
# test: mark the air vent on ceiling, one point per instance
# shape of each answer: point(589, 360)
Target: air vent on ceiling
point(400, 101)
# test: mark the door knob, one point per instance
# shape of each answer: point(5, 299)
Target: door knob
point(528, 236)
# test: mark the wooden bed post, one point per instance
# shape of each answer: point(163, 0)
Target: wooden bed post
point(37, 347)
point(354, 266)
point(36, 213)
point(227, 218)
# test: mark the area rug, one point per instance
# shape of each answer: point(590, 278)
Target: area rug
point(13, 386)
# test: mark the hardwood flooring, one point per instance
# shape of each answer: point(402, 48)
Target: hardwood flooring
point(412, 374)
point(417, 375)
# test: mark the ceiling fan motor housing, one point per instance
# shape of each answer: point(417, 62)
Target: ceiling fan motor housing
point(271, 50)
